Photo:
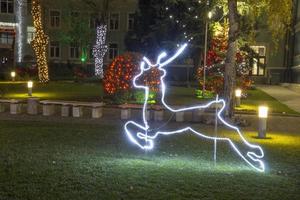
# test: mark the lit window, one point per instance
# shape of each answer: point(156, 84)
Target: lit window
point(113, 51)
point(258, 61)
point(114, 21)
point(54, 19)
point(30, 34)
point(74, 51)
point(74, 15)
point(54, 50)
point(130, 21)
point(7, 6)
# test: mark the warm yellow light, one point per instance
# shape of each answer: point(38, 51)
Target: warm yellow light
point(29, 84)
point(209, 15)
point(238, 93)
point(263, 111)
point(13, 74)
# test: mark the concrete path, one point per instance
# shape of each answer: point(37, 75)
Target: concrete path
point(284, 95)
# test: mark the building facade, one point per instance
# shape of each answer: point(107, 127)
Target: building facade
point(294, 58)
point(17, 31)
point(270, 66)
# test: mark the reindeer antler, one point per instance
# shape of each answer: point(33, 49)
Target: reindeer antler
point(163, 55)
point(179, 51)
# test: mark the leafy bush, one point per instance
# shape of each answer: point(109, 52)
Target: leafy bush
point(118, 78)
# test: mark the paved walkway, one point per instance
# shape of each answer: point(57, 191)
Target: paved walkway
point(284, 95)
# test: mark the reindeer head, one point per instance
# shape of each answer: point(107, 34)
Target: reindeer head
point(146, 66)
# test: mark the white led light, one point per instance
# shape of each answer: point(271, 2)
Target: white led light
point(143, 136)
point(100, 49)
point(29, 84)
point(13, 74)
point(209, 15)
point(238, 92)
point(20, 24)
point(263, 111)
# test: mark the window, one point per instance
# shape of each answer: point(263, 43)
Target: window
point(74, 51)
point(7, 6)
point(93, 21)
point(54, 19)
point(6, 38)
point(258, 62)
point(130, 23)
point(30, 34)
point(114, 21)
point(113, 51)
point(29, 6)
point(91, 53)
point(54, 50)
point(74, 15)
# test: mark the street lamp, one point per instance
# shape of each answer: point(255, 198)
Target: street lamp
point(29, 86)
point(209, 16)
point(13, 75)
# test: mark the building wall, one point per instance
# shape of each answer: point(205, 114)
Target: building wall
point(296, 56)
point(274, 59)
point(121, 7)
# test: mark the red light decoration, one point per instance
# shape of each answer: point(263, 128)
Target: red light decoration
point(120, 73)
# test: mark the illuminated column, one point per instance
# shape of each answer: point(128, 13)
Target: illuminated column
point(100, 49)
point(238, 95)
point(262, 121)
point(20, 6)
point(29, 87)
point(40, 42)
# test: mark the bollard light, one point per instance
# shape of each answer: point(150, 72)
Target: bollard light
point(238, 95)
point(13, 75)
point(29, 86)
point(263, 111)
point(262, 121)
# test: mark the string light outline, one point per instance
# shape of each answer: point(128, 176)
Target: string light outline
point(177, 21)
point(100, 49)
point(149, 139)
point(20, 23)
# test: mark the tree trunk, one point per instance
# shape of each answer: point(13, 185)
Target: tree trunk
point(230, 68)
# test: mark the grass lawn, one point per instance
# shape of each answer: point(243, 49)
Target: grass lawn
point(47, 160)
point(93, 92)
point(257, 97)
point(54, 90)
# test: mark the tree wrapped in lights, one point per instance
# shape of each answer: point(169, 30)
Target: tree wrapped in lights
point(215, 68)
point(40, 42)
point(119, 75)
point(100, 49)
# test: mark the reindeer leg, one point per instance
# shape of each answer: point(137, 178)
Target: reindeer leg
point(252, 154)
point(137, 135)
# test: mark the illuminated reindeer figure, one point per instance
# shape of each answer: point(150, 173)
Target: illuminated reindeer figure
point(144, 135)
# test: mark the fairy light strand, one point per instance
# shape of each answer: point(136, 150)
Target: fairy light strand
point(100, 49)
point(40, 42)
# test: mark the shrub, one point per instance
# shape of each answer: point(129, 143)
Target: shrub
point(118, 77)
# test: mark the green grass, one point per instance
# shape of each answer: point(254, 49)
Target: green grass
point(257, 97)
point(47, 160)
point(94, 92)
point(54, 90)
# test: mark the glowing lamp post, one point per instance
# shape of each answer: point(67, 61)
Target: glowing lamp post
point(238, 95)
point(29, 86)
point(209, 16)
point(262, 121)
point(13, 75)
